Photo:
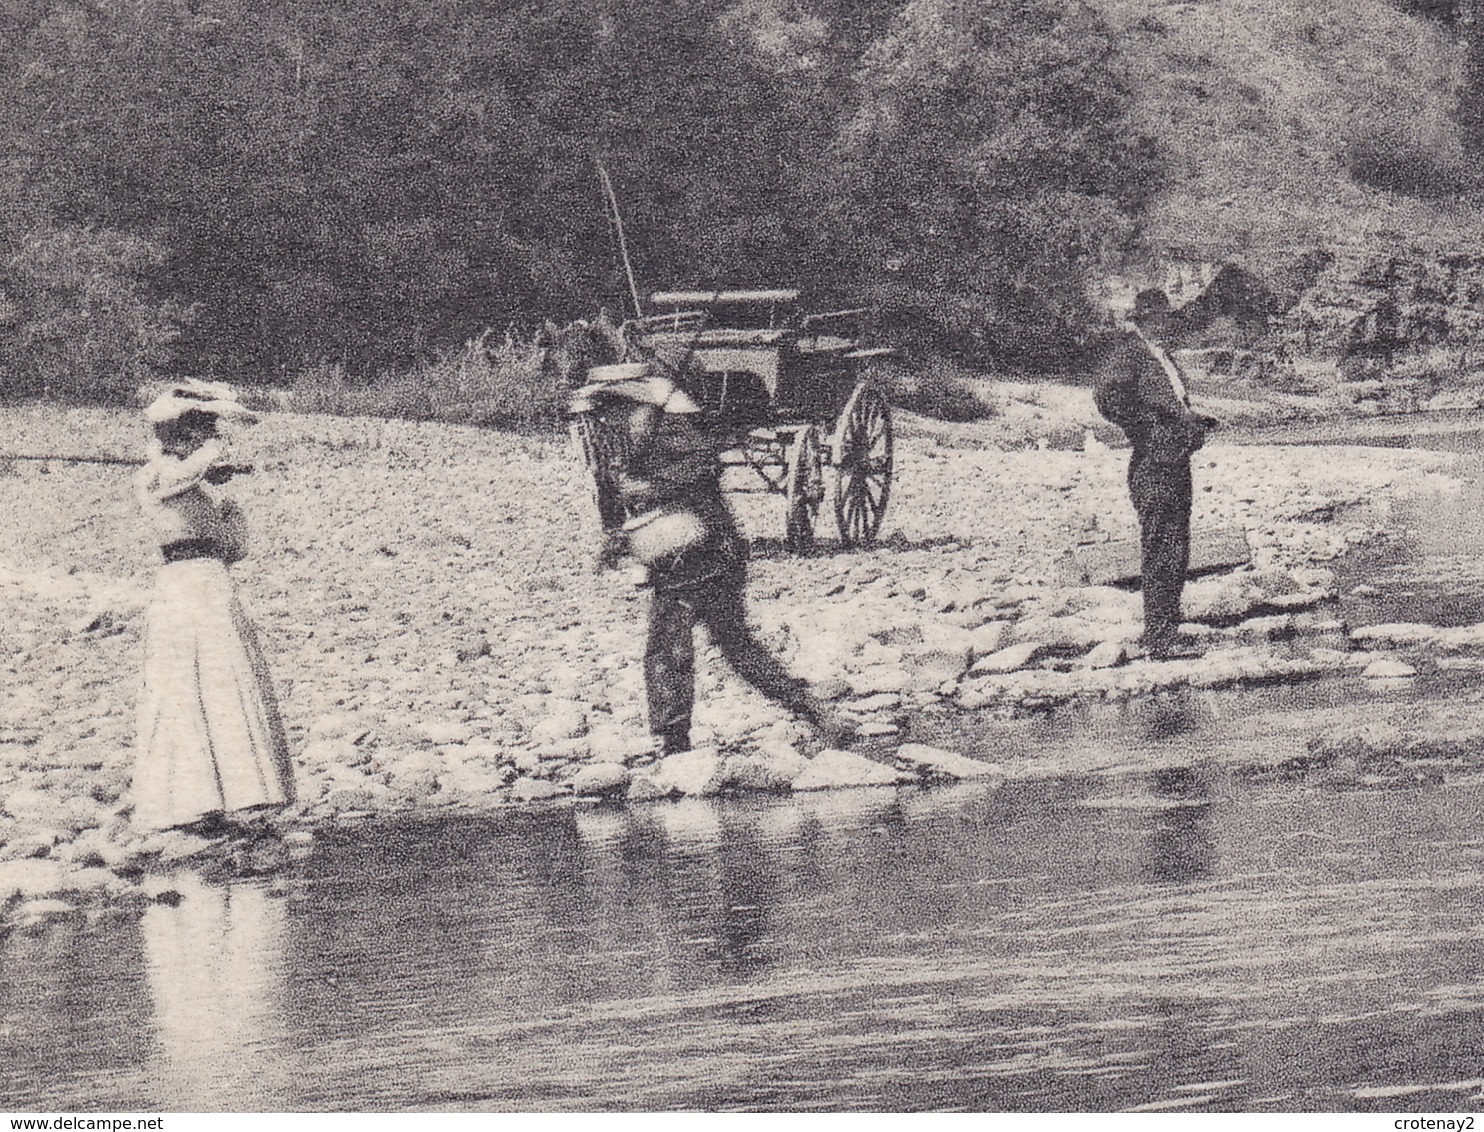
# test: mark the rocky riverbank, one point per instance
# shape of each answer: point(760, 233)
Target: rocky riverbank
point(440, 641)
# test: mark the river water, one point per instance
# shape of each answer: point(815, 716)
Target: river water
point(1177, 939)
point(1160, 930)
point(1433, 570)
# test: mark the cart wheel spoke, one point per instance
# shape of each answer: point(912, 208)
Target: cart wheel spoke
point(805, 489)
point(863, 465)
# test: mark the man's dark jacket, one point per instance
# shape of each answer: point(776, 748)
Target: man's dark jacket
point(1136, 394)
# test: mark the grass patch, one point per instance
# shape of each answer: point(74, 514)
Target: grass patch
point(500, 383)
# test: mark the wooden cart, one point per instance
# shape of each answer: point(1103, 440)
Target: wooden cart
point(787, 394)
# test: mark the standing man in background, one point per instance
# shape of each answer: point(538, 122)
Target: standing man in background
point(1142, 391)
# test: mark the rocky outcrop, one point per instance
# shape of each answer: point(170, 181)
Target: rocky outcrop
point(1392, 331)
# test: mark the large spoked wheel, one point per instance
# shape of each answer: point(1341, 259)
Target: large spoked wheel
point(805, 489)
point(863, 463)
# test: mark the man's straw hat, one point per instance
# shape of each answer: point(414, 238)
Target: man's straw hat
point(632, 381)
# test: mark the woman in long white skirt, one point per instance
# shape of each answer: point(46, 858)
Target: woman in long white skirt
point(210, 739)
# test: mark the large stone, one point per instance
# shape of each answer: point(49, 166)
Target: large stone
point(874, 681)
point(696, 772)
point(567, 750)
point(566, 723)
point(526, 762)
point(1101, 601)
point(1313, 577)
point(32, 843)
point(945, 764)
point(30, 878)
point(831, 688)
point(1109, 654)
point(1074, 632)
point(535, 790)
point(929, 667)
point(600, 779)
point(95, 845)
point(978, 697)
point(990, 638)
point(418, 783)
point(472, 778)
point(1396, 634)
point(872, 654)
point(1291, 602)
point(830, 770)
point(1462, 637)
point(91, 879)
point(34, 911)
point(1223, 598)
point(773, 766)
point(882, 701)
point(1278, 626)
point(1007, 659)
point(643, 788)
point(1388, 668)
point(618, 744)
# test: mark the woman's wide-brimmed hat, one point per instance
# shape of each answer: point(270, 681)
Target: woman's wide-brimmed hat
point(196, 396)
point(632, 381)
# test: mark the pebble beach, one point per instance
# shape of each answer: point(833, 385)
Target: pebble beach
point(440, 641)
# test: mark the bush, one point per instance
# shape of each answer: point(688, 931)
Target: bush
point(504, 384)
point(991, 168)
point(1437, 366)
point(1389, 160)
point(936, 389)
point(81, 322)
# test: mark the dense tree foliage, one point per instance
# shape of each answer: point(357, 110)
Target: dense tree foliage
point(987, 165)
point(262, 185)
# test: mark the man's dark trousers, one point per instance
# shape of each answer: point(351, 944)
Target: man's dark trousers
point(1161, 493)
point(670, 654)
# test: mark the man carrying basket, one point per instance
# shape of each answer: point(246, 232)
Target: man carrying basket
point(681, 529)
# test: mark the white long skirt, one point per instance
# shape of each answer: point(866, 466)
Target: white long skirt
point(210, 738)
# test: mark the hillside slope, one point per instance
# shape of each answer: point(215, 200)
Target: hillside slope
point(1289, 125)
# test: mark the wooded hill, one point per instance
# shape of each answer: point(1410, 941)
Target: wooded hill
point(251, 188)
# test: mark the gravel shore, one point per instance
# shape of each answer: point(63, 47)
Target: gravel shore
point(439, 640)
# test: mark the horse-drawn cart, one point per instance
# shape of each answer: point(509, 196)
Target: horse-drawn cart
point(787, 395)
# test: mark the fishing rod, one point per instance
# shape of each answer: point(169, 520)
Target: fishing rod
point(128, 461)
point(679, 369)
point(217, 474)
point(623, 242)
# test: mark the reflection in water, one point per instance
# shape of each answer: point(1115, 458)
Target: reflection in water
point(1182, 848)
point(1165, 939)
point(214, 965)
point(1168, 714)
point(711, 878)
